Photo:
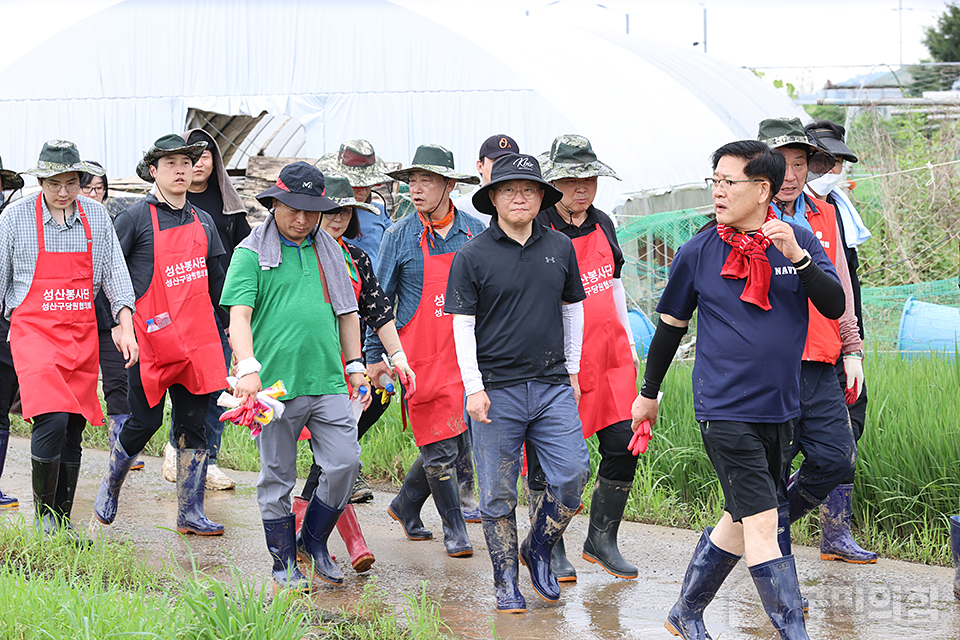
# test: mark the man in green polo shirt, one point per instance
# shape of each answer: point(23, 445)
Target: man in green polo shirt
point(292, 306)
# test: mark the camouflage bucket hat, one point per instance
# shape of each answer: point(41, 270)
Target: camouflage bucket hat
point(435, 159)
point(779, 132)
point(358, 162)
point(11, 180)
point(60, 156)
point(572, 156)
point(168, 145)
point(339, 189)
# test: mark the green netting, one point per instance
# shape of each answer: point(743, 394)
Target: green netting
point(883, 306)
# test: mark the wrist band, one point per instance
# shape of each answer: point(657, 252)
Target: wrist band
point(804, 261)
point(247, 366)
point(354, 366)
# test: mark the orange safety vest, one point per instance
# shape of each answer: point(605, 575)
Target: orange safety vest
point(823, 335)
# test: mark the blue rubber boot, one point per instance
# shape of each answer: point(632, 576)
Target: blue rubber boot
point(443, 486)
point(783, 541)
point(561, 565)
point(550, 520)
point(501, 536)
point(708, 568)
point(45, 476)
point(114, 426)
point(6, 502)
point(955, 548)
point(405, 507)
point(191, 484)
point(776, 582)
point(836, 542)
point(105, 504)
point(282, 546)
point(318, 521)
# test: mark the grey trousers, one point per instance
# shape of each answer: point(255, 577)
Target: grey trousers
point(335, 448)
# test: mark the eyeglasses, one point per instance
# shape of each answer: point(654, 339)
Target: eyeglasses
point(509, 193)
point(90, 190)
point(713, 183)
point(56, 187)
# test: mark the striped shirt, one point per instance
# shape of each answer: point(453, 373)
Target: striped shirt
point(19, 248)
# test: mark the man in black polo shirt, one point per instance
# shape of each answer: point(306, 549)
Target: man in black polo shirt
point(516, 294)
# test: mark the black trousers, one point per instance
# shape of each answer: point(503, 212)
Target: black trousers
point(57, 435)
point(187, 418)
point(857, 411)
point(113, 374)
point(616, 461)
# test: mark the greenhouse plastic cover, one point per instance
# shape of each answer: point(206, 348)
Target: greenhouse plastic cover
point(398, 73)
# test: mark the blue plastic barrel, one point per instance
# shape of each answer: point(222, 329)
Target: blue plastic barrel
point(928, 328)
point(642, 330)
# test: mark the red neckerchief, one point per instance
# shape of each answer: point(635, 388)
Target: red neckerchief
point(433, 225)
point(748, 259)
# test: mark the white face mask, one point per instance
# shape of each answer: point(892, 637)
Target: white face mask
point(825, 183)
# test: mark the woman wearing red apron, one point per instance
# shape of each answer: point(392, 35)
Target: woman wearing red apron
point(56, 252)
point(171, 250)
point(608, 371)
point(428, 240)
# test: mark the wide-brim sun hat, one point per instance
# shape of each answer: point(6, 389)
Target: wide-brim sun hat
point(434, 159)
point(572, 156)
point(60, 156)
point(169, 145)
point(11, 179)
point(514, 166)
point(300, 186)
point(358, 161)
point(781, 132)
point(340, 190)
point(828, 140)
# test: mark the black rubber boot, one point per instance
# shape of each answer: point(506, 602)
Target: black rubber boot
point(550, 520)
point(405, 507)
point(559, 563)
point(6, 502)
point(779, 589)
point(606, 512)
point(63, 504)
point(708, 568)
point(318, 521)
point(282, 546)
point(191, 484)
point(45, 476)
point(501, 536)
point(446, 495)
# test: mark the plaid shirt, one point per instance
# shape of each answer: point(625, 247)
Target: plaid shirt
point(18, 251)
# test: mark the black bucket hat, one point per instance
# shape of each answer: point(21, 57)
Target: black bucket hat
point(514, 166)
point(829, 137)
point(11, 180)
point(300, 186)
point(169, 145)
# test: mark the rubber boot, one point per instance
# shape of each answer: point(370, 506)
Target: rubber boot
point(105, 504)
point(955, 549)
point(836, 542)
point(606, 511)
point(801, 503)
point(63, 504)
point(783, 541)
point(561, 565)
point(360, 555)
point(191, 484)
point(45, 476)
point(708, 568)
point(6, 502)
point(114, 426)
point(405, 507)
point(318, 521)
point(776, 582)
point(550, 520)
point(446, 495)
point(465, 476)
point(299, 508)
point(282, 546)
point(501, 536)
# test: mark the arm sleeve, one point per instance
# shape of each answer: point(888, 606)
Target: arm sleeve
point(849, 327)
point(821, 282)
point(572, 335)
point(620, 300)
point(465, 338)
point(663, 346)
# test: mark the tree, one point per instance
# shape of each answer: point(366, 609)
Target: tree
point(943, 41)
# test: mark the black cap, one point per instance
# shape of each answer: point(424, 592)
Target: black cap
point(513, 166)
point(495, 146)
point(300, 186)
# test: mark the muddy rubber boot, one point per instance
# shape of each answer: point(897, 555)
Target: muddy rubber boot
point(405, 507)
point(191, 484)
point(836, 542)
point(105, 504)
point(708, 568)
point(63, 505)
point(360, 555)
point(501, 536)
point(282, 547)
point(783, 541)
point(114, 426)
point(550, 520)
point(561, 565)
point(606, 512)
point(779, 589)
point(299, 508)
point(955, 549)
point(465, 477)
point(6, 502)
point(362, 491)
point(45, 476)
point(169, 468)
point(446, 495)
point(318, 522)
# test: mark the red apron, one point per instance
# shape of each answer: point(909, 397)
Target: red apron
point(174, 322)
point(53, 333)
point(608, 381)
point(436, 410)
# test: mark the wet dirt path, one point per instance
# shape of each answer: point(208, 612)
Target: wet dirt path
point(889, 600)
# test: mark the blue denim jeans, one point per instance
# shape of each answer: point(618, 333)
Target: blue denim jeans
point(544, 414)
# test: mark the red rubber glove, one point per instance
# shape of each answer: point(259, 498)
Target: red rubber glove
point(641, 438)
